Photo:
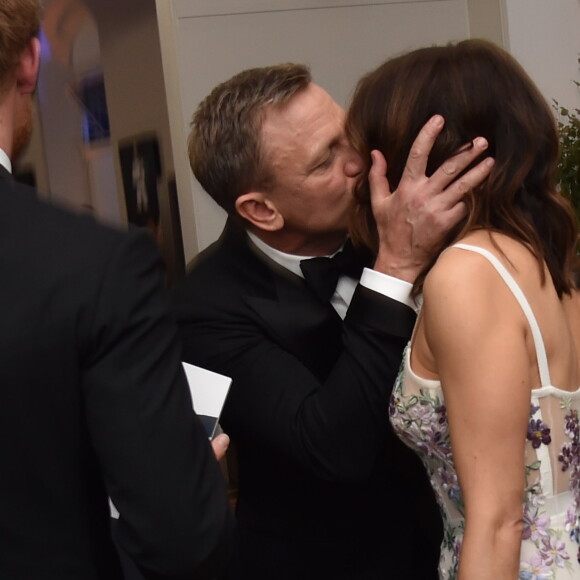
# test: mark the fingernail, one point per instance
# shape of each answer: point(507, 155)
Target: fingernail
point(437, 120)
point(490, 161)
point(481, 143)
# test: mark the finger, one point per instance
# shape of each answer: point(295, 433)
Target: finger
point(455, 214)
point(220, 445)
point(474, 177)
point(378, 181)
point(421, 148)
point(451, 168)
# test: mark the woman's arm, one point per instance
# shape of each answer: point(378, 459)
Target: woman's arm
point(476, 332)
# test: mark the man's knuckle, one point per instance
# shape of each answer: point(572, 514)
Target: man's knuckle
point(417, 152)
point(462, 186)
point(449, 168)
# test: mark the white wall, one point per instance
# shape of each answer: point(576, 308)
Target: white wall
point(61, 121)
point(544, 35)
point(60, 158)
point(131, 62)
point(486, 20)
point(206, 42)
point(203, 42)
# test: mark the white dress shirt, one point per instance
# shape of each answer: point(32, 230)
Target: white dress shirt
point(387, 285)
point(5, 160)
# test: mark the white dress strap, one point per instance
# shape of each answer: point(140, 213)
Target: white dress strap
point(520, 297)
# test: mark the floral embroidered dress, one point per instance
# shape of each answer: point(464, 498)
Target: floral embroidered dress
point(551, 539)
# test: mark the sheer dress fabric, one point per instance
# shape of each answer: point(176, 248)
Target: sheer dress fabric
point(551, 539)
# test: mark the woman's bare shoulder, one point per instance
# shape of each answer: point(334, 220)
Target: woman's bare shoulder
point(513, 254)
point(464, 276)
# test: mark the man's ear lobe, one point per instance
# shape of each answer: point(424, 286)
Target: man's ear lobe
point(27, 71)
point(257, 209)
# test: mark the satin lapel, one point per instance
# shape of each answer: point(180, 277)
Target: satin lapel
point(309, 330)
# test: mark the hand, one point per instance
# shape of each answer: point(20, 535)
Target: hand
point(220, 445)
point(413, 220)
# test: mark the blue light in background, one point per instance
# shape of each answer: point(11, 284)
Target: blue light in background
point(46, 52)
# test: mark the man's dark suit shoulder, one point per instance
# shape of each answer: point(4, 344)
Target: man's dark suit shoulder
point(49, 227)
point(90, 358)
point(216, 276)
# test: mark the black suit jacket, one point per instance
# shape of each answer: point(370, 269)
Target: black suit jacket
point(325, 489)
point(93, 402)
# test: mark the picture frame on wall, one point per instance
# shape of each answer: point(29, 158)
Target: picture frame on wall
point(141, 170)
point(179, 266)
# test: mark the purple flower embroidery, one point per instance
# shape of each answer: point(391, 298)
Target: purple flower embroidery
point(573, 425)
point(425, 414)
point(569, 455)
point(536, 499)
point(535, 526)
point(575, 476)
point(572, 525)
point(554, 552)
point(575, 534)
point(538, 433)
point(535, 569)
point(442, 412)
point(450, 485)
point(566, 456)
point(420, 419)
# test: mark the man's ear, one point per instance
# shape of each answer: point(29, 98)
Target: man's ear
point(27, 71)
point(257, 209)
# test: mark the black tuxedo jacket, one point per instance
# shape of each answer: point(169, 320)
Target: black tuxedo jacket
point(325, 488)
point(93, 402)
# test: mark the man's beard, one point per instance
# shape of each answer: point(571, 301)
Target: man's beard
point(22, 131)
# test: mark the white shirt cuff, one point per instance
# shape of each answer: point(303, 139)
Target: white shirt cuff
point(394, 288)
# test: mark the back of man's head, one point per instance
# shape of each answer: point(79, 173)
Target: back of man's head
point(19, 22)
point(224, 144)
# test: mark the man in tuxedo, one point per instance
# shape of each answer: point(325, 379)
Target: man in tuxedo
point(325, 489)
point(93, 398)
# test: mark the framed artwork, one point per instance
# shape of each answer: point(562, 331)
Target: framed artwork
point(141, 170)
point(178, 270)
point(90, 93)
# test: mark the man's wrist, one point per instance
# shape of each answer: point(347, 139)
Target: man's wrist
point(406, 270)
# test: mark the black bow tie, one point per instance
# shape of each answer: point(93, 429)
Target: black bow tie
point(322, 274)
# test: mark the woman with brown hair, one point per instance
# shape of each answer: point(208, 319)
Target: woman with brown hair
point(489, 390)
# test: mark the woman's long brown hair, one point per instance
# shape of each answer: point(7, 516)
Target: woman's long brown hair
point(480, 90)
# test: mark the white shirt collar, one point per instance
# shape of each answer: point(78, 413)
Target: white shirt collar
point(289, 261)
point(387, 285)
point(5, 161)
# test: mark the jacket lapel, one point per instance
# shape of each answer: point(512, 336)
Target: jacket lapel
point(287, 309)
point(309, 330)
